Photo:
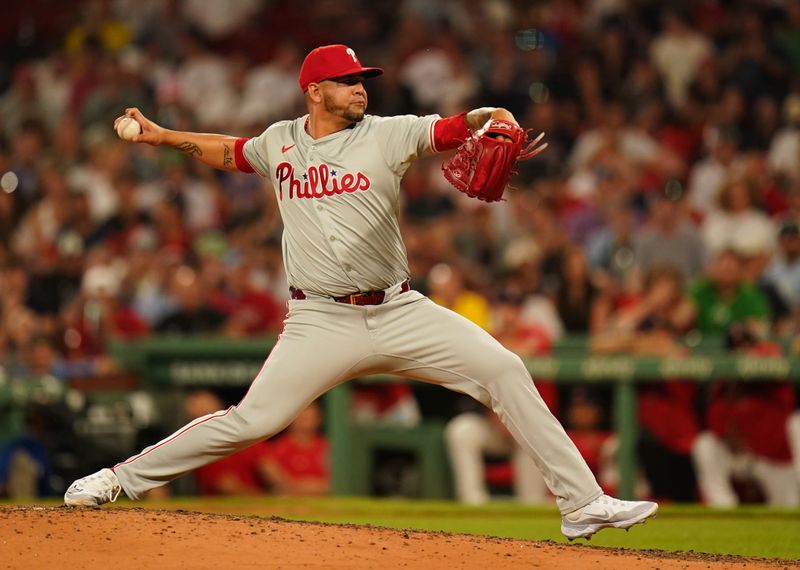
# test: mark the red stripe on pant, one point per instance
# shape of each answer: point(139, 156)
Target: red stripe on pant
point(211, 417)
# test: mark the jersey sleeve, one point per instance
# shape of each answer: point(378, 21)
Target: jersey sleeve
point(403, 138)
point(256, 153)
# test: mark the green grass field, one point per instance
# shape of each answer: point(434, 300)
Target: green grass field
point(747, 531)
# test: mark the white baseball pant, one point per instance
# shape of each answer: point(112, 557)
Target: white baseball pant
point(325, 343)
point(469, 436)
point(793, 435)
point(715, 464)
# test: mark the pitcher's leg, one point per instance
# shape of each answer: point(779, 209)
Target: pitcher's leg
point(529, 485)
point(307, 361)
point(433, 344)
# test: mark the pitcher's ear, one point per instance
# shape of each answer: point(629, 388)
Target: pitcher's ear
point(314, 92)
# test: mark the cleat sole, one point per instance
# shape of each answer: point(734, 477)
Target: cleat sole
point(79, 503)
point(590, 530)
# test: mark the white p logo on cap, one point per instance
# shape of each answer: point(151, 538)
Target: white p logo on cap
point(330, 61)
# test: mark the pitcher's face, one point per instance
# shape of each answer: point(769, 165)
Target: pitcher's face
point(345, 97)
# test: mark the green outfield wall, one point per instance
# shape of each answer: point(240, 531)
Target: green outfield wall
point(222, 362)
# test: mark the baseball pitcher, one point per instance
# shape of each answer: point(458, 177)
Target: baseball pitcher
point(336, 172)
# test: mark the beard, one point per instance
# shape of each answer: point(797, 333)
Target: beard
point(344, 111)
point(354, 116)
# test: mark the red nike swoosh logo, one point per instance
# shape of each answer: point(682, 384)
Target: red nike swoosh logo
point(284, 148)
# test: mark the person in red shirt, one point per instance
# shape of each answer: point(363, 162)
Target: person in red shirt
point(598, 446)
point(243, 473)
point(249, 309)
point(297, 463)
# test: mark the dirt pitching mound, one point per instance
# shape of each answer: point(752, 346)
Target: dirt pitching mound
point(128, 539)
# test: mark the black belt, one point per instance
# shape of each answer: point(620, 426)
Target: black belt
point(366, 298)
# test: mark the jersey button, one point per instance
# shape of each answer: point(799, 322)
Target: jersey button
point(348, 267)
point(319, 208)
point(332, 238)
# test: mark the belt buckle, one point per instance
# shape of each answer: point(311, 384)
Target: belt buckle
point(353, 297)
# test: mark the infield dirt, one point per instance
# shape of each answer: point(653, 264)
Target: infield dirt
point(127, 539)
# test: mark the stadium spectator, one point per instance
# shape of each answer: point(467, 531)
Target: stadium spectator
point(276, 77)
point(793, 203)
point(669, 236)
point(618, 134)
point(194, 312)
point(219, 20)
point(523, 312)
point(297, 463)
point(472, 435)
point(749, 428)
point(582, 305)
point(202, 78)
point(243, 473)
point(709, 174)
point(738, 224)
point(24, 463)
point(105, 160)
point(116, 230)
point(21, 102)
point(250, 309)
point(651, 326)
point(447, 288)
point(598, 446)
point(724, 297)
point(611, 251)
point(785, 144)
point(677, 54)
point(781, 280)
point(662, 308)
point(37, 232)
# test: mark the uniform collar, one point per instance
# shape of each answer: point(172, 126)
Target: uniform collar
point(311, 140)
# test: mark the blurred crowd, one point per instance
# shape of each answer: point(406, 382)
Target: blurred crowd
point(667, 203)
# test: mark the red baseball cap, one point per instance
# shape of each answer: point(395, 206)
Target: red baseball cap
point(327, 62)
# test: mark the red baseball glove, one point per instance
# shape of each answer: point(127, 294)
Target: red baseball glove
point(483, 164)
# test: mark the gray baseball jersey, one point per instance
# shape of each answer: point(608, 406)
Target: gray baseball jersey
point(338, 197)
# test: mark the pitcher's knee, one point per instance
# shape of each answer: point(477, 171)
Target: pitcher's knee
point(505, 367)
point(251, 428)
point(517, 381)
point(507, 362)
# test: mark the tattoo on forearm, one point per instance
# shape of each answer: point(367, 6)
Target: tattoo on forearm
point(227, 159)
point(190, 148)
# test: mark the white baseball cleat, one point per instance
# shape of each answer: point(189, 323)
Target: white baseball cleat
point(605, 512)
point(93, 490)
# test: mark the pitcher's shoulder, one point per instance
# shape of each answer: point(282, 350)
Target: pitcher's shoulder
point(391, 122)
point(376, 120)
point(287, 125)
point(277, 129)
point(380, 119)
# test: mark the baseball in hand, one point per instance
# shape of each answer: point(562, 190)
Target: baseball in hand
point(127, 128)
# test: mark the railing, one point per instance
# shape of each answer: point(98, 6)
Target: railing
point(216, 362)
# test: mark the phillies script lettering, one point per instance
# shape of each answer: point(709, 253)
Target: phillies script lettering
point(318, 182)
